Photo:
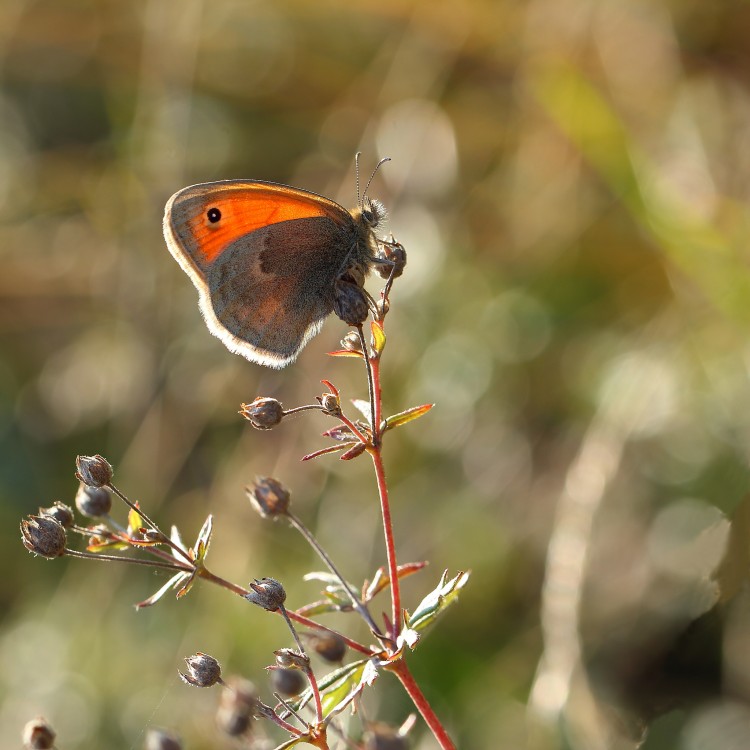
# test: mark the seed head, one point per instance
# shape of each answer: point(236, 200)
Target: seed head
point(38, 734)
point(288, 682)
point(43, 535)
point(93, 471)
point(329, 646)
point(395, 254)
point(203, 670)
point(239, 703)
point(267, 593)
point(269, 497)
point(93, 502)
point(263, 413)
point(62, 513)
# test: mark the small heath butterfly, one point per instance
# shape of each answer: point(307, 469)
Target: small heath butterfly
point(265, 259)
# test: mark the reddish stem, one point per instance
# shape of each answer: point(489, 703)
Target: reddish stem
point(390, 547)
point(401, 671)
point(301, 619)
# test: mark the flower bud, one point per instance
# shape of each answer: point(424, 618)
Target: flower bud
point(351, 342)
point(269, 497)
point(287, 658)
point(93, 502)
point(267, 593)
point(263, 413)
point(329, 646)
point(43, 535)
point(381, 308)
point(394, 253)
point(331, 404)
point(350, 302)
point(288, 682)
point(239, 703)
point(38, 735)
point(203, 670)
point(161, 739)
point(93, 471)
point(62, 513)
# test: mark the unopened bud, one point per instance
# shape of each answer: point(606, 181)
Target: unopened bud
point(329, 646)
point(94, 471)
point(267, 593)
point(351, 342)
point(38, 734)
point(62, 513)
point(288, 682)
point(203, 670)
point(269, 497)
point(350, 302)
point(330, 403)
point(287, 658)
point(263, 413)
point(43, 535)
point(394, 253)
point(93, 502)
point(162, 739)
point(381, 308)
point(239, 704)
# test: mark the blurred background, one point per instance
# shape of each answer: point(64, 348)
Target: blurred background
point(570, 179)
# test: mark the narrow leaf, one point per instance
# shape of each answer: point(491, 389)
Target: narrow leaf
point(171, 583)
point(341, 692)
point(407, 416)
point(437, 600)
point(356, 450)
point(329, 449)
point(345, 353)
point(381, 580)
point(316, 608)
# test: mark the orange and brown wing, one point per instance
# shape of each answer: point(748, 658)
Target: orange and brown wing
point(263, 257)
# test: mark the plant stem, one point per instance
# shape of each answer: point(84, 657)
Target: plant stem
point(400, 669)
point(131, 560)
point(390, 547)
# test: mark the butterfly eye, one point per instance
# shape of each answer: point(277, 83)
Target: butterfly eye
point(213, 215)
point(368, 216)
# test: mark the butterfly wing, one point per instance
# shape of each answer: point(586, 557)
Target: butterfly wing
point(263, 258)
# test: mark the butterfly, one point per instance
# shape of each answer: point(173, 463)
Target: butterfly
point(266, 259)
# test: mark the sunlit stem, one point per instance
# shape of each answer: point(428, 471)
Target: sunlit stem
point(390, 547)
point(401, 671)
point(370, 387)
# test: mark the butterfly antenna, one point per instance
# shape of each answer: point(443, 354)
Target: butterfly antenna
point(356, 172)
point(374, 172)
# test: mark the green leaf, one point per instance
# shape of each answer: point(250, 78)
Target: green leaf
point(200, 550)
point(339, 678)
point(436, 601)
point(407, 416)
point(341, 691)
